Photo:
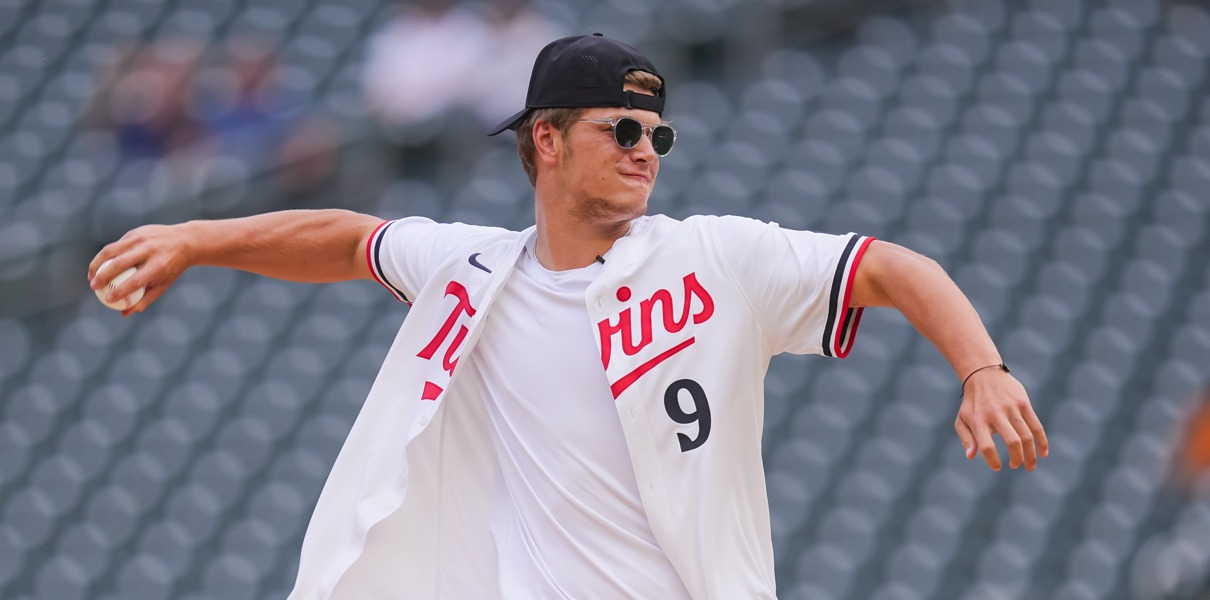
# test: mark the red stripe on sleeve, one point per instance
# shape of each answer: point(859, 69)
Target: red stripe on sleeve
point(839, 348)
point(370, 253)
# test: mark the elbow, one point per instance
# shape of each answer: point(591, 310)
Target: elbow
point(888, 270)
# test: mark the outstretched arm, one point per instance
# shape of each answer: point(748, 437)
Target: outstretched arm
point(313, 246)
point(993, 401)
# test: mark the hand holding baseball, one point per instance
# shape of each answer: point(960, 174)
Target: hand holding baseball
point(118, 303)
point(131, 273)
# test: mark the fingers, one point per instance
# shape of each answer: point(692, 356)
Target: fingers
point(1000, 406)
point(968, 438)
point(121, 259)
point(152, 251)
point(976, 434)
point(1017, 436)
point(986, 445)
point(1035, 426)
point(115, 251)
point(1020, 447)
point(151, 295)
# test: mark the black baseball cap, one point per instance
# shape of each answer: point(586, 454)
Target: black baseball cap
point(586, 71)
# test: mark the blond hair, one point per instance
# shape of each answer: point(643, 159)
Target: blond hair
point(562, 118)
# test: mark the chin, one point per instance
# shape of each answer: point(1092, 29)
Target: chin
point(624, 207)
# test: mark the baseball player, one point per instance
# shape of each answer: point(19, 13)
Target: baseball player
point(575, 410)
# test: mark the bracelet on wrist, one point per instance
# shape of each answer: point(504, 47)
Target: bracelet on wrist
point(1001, 366)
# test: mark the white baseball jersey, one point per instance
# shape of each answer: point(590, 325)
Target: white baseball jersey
point(687, 313)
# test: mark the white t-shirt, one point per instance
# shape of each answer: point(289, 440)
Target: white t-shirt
point(566, 513)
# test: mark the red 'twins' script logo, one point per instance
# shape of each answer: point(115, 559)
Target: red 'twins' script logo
point(671, 322)
point(450, 360)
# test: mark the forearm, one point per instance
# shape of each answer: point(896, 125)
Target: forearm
point(313, 246)
point(309, 246)
point(993, 404)
point(919, 288)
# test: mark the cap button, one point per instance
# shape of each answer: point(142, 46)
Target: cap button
point(599, 34)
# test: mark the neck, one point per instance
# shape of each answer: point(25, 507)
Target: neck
point(568, 243)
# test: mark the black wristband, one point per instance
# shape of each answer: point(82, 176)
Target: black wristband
point(1001, 366)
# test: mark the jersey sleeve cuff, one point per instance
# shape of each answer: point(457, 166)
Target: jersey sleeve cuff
point(841, 327)
point(373, 258)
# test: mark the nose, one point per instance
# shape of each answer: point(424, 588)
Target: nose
point(645, 150)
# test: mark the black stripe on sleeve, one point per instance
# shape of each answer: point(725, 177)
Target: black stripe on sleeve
point(382, 276)
point(837, 291)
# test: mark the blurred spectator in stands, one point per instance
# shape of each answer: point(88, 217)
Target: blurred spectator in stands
point(239, 100)
point(253, 119)
point(231, 113)
point(439, 73)
point(309, 164)
point(517, 33)
point(143, 98)
point(1192, 469)
point(420, 63)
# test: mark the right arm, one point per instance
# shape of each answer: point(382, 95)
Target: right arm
point(311, 246)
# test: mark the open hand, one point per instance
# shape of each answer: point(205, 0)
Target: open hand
point(994, 402)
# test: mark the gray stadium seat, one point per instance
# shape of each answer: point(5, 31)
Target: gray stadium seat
point(62, 577)
point(115, 512)
point(966, 32)
point(910, 429)
point(842, 130)
point(31, 515)
point(281, 508)
point(88, 549)
point(876, 482)
point(172, 545)
point(932, 536)
point(827, 567)
point(15, 452)
point(916, 567)
point(278, 403)
point(771, 109)
point(1096, 566)
point(849, 530)
point(826, 425)
point(231, 576)
point(223, 472)
point(1006, 565)
point(145, 576)
point(251, 439)
point(874, 66)
point(853, 96)
point(1026, 531)
point(196, 509)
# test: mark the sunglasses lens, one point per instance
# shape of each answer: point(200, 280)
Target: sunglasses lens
point(662, 138)
point(628, 132)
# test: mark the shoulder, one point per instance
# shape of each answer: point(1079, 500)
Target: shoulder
point(429, 240)
point(714, 227)
point(663, 224)
point(448, 232)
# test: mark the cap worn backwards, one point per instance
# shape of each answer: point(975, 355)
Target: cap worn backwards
point(586, 71)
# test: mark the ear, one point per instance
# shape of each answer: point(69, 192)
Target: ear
point(548, 142)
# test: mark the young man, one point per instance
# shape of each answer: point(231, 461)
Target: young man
point(575, 410)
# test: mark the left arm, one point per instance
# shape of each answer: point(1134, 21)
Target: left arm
point(993, 401)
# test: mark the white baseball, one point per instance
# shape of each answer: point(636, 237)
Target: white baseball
point(121, 303)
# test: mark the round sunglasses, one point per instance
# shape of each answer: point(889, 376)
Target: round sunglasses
point(627, 132)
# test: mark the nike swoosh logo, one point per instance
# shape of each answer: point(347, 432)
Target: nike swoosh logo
point(475, 263)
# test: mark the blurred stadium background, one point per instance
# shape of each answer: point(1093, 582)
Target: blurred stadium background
point(1053, 155)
